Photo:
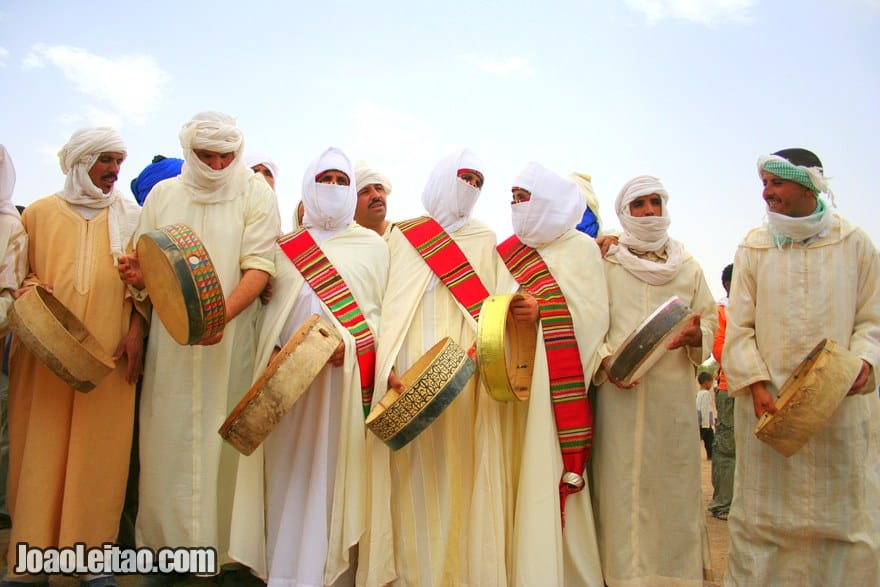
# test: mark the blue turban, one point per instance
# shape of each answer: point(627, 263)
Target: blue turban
point(161, 168)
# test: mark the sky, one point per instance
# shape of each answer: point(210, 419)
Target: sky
point(692, 91)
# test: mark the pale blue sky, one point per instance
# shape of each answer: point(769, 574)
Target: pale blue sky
point(691, 91)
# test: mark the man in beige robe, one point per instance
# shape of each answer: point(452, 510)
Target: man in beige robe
point(69, 451)
point(812, 518)
point(435, 515)
point(646, 451)
point(187, 472)
point(546, 209)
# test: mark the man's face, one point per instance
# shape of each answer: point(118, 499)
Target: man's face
point(265, 172)
point(213, 159)
point(105, 171)
point(520, 195)
point(650, 205)
point(472, 177)
point(787, 197)
point(333, 176)
point(371, 204)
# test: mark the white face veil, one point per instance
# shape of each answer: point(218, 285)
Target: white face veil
point(77, 158)
point(328, 208)
point(217, 132)
point(555, 206)
point(7, 184)
point(646, 234)
point(448, 199)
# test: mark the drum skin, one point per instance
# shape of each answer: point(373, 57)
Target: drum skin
point(505, 350)
point(431, 383)
point(808, 397)
point(289, 374)
point(59, 340)
point(646, 344)
point(181, 282)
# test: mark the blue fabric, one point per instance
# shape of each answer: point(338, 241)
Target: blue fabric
point(588, 224)
point(153, 174)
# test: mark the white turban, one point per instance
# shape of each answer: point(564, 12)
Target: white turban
point(77, 158)
point(217, 132)
point(328, 208)
point(646, 233)
point(7, 184)
point(255, 158)
point(555, 207)
point(366, 176)
point(448, 199)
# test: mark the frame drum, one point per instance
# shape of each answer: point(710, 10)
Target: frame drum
point(505, 349)
point(430, 384)
point(647, 343)
point(809, 396)
point(289, 374)
point(59, 340)
point(180, 279)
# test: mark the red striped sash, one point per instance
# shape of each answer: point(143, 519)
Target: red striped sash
point(447, 261)
point(568, 394)
point(316, 269)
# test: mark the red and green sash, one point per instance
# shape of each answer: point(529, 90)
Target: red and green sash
point(568, 394)
point(316, 269)
point(447, 261)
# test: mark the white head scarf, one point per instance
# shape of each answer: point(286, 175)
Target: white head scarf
point(646, 234)
point(77, 158)
point(555, 207)
point(786, 229)
point(367, 176)
point(213, 131)
point(328, 208)
point(448, 199)
point(254, 158)
point(7, 184)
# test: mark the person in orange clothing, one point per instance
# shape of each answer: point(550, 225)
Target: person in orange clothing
point(724, 447)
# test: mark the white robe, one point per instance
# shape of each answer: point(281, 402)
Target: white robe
point(812, 518)
point(312, 467)
point(187, 471)
point(436, 515)
point(646, 451)
point(540, 553)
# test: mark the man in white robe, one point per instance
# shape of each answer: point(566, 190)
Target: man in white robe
point(312, 466)
point(807, 274)
point(646, 452)
point(546, 209)
point(436, 517)
point(187, 472)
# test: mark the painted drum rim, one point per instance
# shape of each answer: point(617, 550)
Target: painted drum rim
point(506, 375)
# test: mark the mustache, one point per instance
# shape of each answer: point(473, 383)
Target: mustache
point(374, 200)
point(112, 176)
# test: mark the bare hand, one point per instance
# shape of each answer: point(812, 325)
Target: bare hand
point(605, 243)
point(338, 356)
point(24, 289)
point(606, 366)
point(395, 383)
point(210, 340)
point(130, 273)
point(762, 400)
point(525, 309)
point(266, 294)
point(862, 379)
point(690, 335)
point(131, 346)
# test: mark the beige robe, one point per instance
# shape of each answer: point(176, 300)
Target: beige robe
point(646, 452)
point(539, 553)
point(13, 262)
point(436, 516)
point(329, 516)
point(187, 472)
point(812, 518)
point(69, 451)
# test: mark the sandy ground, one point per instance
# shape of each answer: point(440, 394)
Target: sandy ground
point(718, 541)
